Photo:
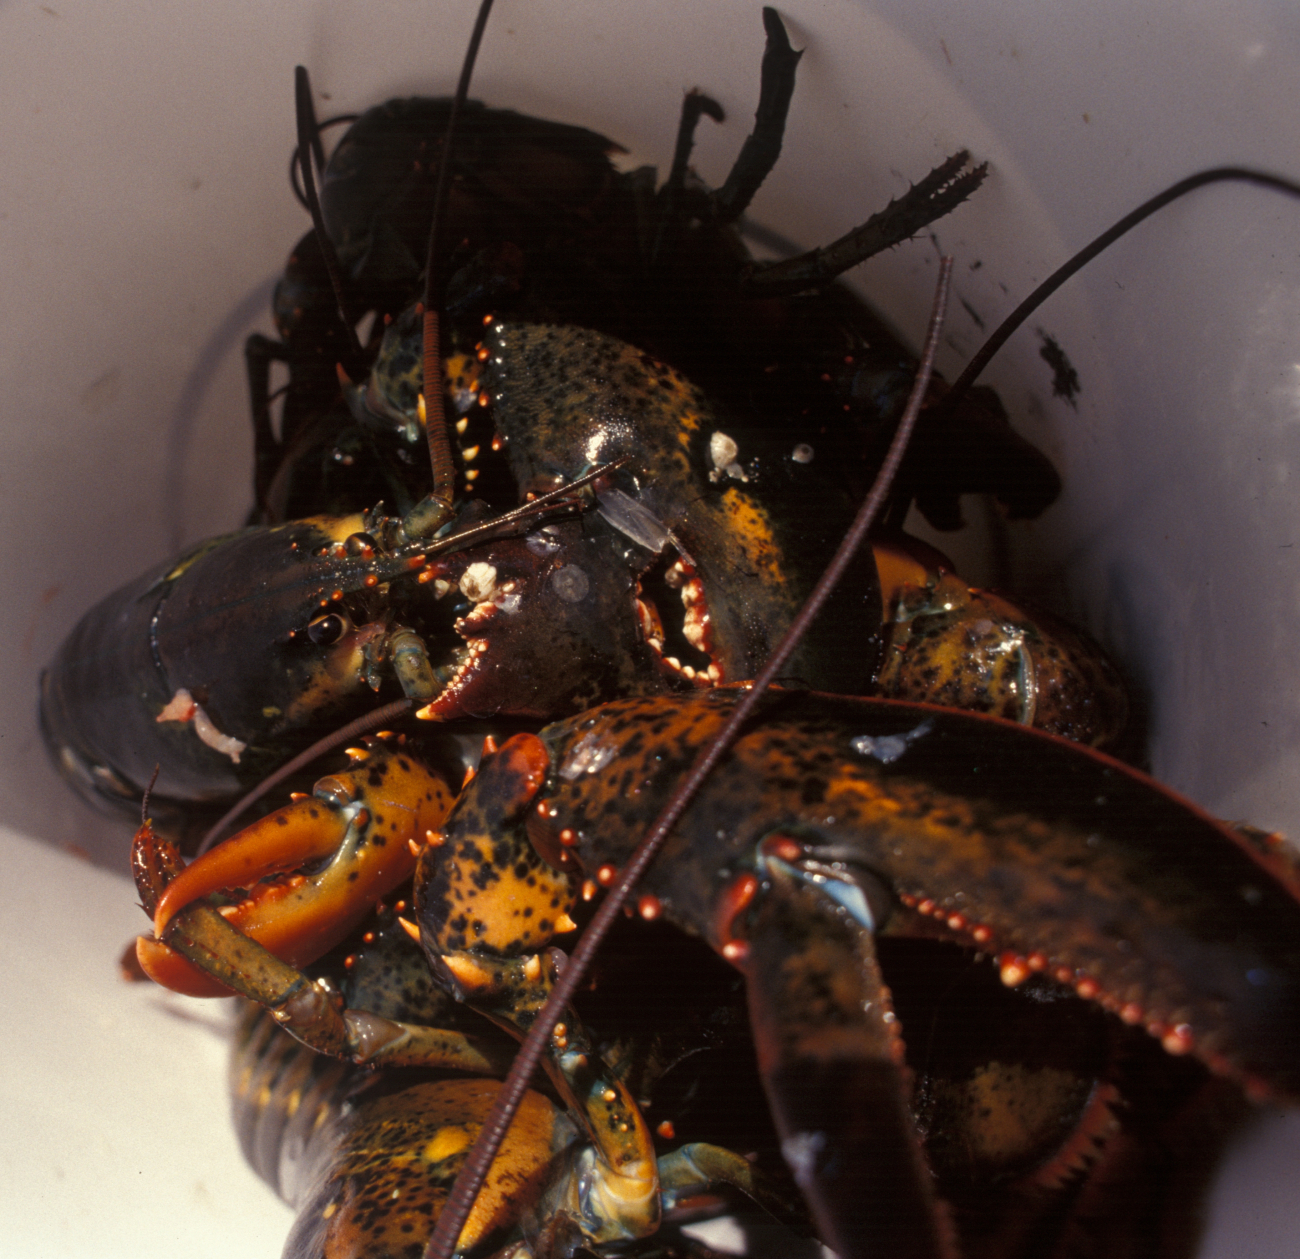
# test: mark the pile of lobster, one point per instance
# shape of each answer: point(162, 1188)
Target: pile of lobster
point(1001, 994)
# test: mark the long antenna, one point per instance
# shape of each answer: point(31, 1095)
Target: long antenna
point(310, 151)
point(961, 386)
point(432, 409)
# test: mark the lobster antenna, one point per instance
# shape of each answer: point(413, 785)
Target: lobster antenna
point(431, 406)
point(1218, 174)
point(310, 152)
point(552, 501)
point(378, 717)
point(446, 1233)
point(295, 173)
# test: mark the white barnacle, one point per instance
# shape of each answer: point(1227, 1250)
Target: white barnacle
point(479, 582)
point(723, 452)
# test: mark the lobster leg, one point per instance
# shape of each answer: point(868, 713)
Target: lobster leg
point(939, 193)
point(763, 146)
point(831, 1056)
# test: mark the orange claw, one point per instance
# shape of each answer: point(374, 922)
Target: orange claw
point(365, 818)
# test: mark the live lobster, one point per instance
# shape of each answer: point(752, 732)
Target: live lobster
point(359, 569)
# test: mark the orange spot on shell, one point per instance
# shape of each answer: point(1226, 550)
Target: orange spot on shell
point(1013, 969)
point(606, 875)
point(735, 898)
point(649, 907)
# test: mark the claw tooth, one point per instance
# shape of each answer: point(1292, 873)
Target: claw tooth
point(410, 928)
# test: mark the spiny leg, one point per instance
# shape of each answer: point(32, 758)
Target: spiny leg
point(939, 193)
point(831, 1058)
point(763, 146)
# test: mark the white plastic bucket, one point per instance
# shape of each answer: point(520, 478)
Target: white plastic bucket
point(145, 211)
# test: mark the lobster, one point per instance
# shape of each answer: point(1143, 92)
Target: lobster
point(836, 826)
point(351, 604)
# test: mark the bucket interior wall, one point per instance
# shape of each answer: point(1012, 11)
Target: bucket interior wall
point(145, 213)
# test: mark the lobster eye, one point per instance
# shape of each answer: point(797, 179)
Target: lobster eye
point(327, 629)
point(360, 544)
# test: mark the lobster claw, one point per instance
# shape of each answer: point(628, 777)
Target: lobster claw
point(368, 826)
point(835, 827)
